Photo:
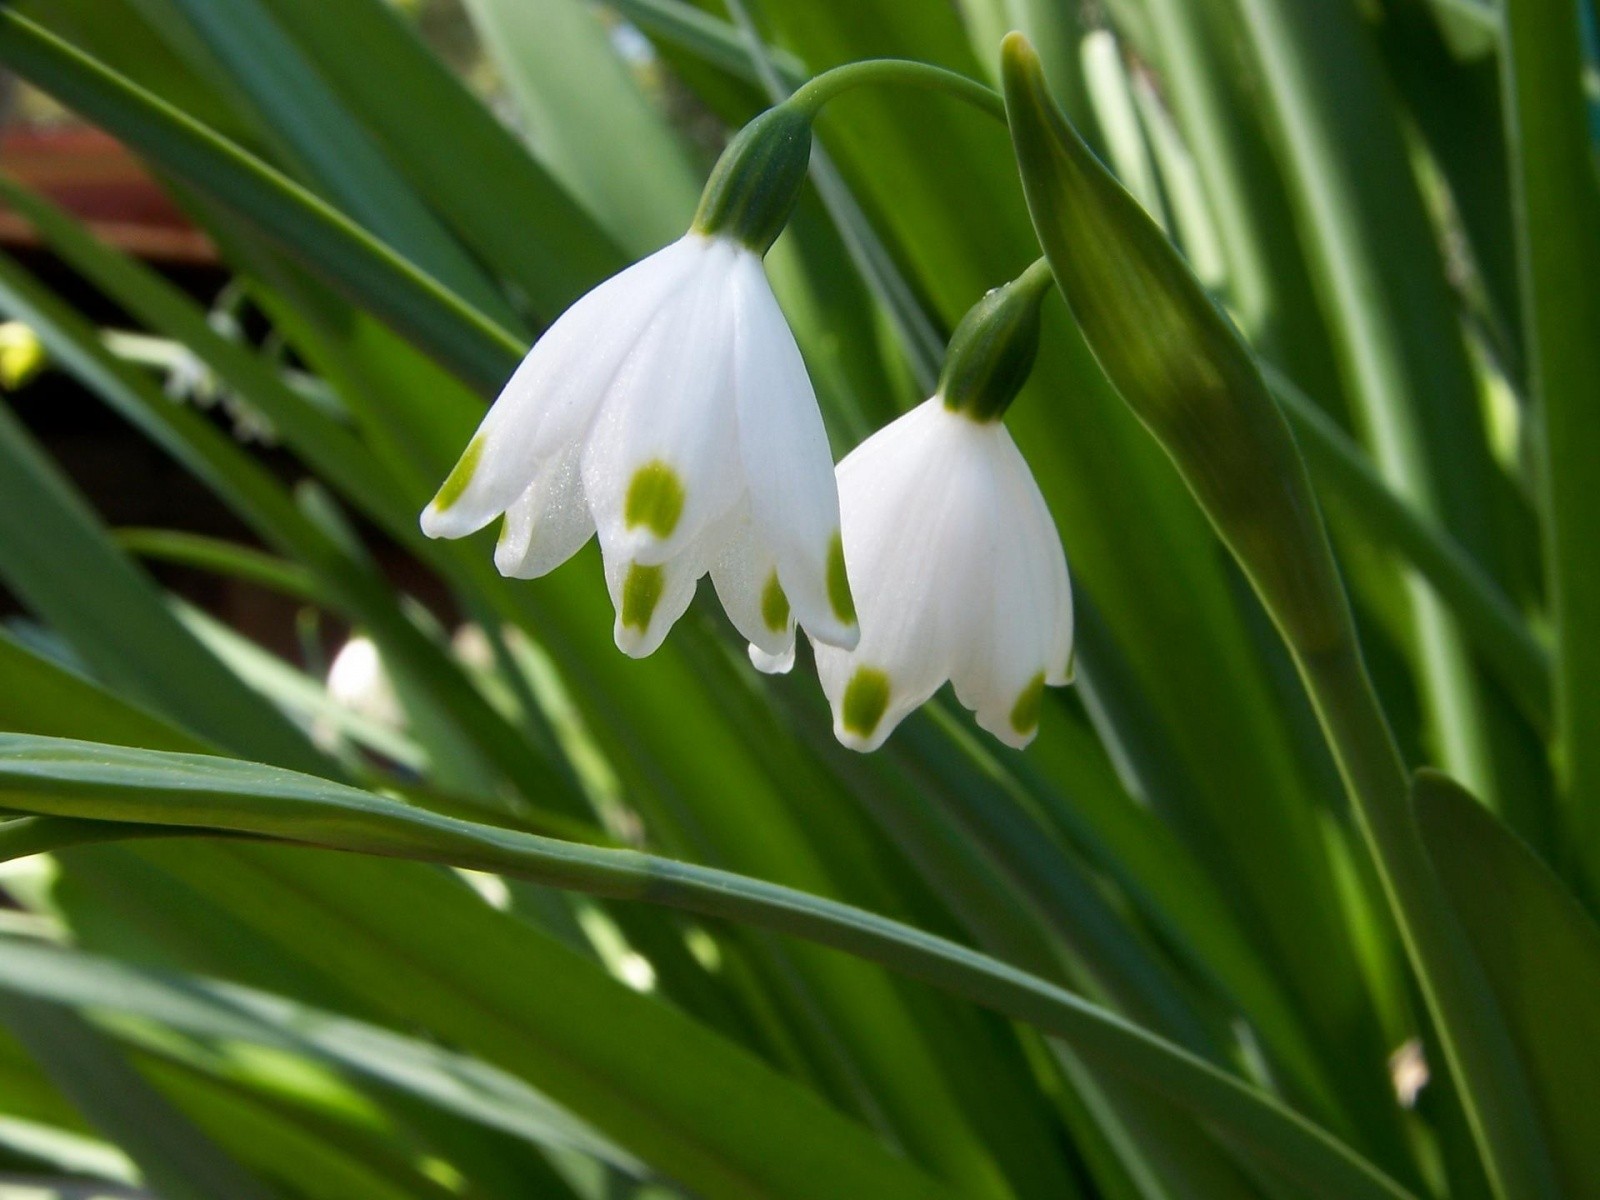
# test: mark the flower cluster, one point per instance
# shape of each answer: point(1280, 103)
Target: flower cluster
point(669, 411)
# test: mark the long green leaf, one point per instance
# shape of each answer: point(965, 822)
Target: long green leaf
point(86, 780)
point(173, 1154)
point(497, 198)
point(1558, 203)
point(51, 544)
point(305, 225)
point(1541, 953)
point(584, 114)
point(1184, 370)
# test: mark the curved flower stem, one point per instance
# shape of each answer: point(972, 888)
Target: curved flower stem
point(817, 91)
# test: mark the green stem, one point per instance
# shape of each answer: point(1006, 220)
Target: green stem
point(1486, 615)
point(1468, 1021)
point(817, 91)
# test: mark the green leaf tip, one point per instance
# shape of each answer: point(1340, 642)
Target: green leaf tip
point(460, 476)
point(774, 605)
point(866, 699)
point(1175, 359)
point(641, 592)
point(839, 597)
point(655, 499)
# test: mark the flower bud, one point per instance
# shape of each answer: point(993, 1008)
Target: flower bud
point(755, 184)
point(991, 352)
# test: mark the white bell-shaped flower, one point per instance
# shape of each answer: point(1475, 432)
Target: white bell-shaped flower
point(955, 557)
point(670, 410)
point(959, 575)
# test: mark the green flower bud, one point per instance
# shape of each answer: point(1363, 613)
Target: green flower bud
point(991, 352)
point(1177, 361)
point(755, 184)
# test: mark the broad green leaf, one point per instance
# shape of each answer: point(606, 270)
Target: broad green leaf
point(85, 780)
point(1541, 953)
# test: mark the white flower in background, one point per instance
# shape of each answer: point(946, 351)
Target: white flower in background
point(669, 410)
point(959, 575)
point(957, 564)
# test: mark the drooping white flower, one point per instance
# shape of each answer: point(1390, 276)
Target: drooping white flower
point(959, 575)
point(669, 410)
point(955, 557)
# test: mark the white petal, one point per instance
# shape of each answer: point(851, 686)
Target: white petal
point(746, 578)
point(787, 462)
point(904, 496)
point(554, 392)
point(772, 664)
point(548, 523)
point(661, 461)
point(650, 597)
point(1015, 629)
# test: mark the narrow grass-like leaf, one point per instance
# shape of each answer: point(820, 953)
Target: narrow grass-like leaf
point(85, 780)
point(1559, 208)
point(208, 1009)
point(587, 119)
point(1344, 474)
point(173, 1154)
point(336, 153)
point(51, 544)
point(1183, 369)
point(323, 237)
point(497, 198)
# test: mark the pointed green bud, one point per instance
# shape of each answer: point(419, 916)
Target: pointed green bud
point(755, 184)
point(1177, 361)
point(991, 352)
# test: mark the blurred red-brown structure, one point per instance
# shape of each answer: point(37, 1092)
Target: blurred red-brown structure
point(92, 176)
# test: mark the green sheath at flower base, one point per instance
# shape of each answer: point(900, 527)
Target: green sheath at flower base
point(1176, 360)
point(755, 184)
point(991, 352)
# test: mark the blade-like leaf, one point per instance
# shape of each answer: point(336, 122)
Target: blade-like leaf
point(174, 1155)
point(1541, 953)
point(85, 780)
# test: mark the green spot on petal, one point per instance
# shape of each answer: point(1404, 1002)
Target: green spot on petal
point(774, 605)
point(641, 592)
point(655, 498)
point(866, 697)
point(839, 597)
point(460, 475)
point(1025, 712)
